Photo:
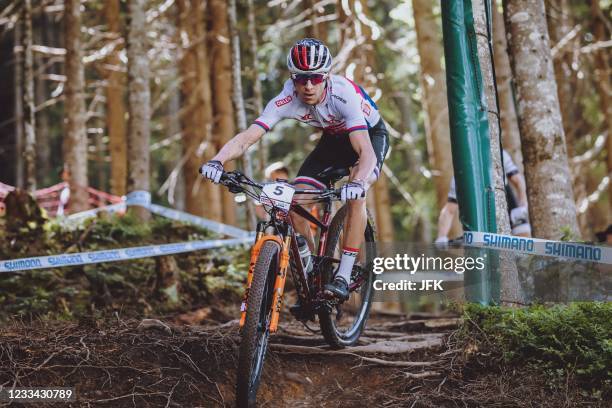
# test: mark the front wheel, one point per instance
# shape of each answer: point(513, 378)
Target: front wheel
point(342, 325)
point(256, 330)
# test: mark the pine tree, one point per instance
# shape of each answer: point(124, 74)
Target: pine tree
point(75, 138)
point(549, 187)
point(139, 99)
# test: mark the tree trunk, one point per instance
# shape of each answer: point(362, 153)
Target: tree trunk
point(238, 100)
point(511, 138)
point(262, 147)
point(558, 18)
point(18, 69)
point(139, 99)
point(201, 198)
point(485, 59)
point(549, 188)
point(43, 148)
point(433, 84)
point(315, 29)
point(604, 85)
point(29, 123)
point(223, 123)
point(559, 22)
point(176, 194)
point(383, 203)
point(75, 139)
point(115, 106)
point(101, 154)
point(510, 284)
point(364, 74)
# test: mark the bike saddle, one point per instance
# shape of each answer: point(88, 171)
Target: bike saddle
point(334, 174)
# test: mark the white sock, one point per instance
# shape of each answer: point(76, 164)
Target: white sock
point(346, 263)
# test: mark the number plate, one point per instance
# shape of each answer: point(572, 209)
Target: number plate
point(277, 194)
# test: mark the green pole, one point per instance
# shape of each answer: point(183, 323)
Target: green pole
point(469, 131)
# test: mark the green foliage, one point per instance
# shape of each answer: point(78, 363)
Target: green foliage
point(564, 341)
point(127, 286)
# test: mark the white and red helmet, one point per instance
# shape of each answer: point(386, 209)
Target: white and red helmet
point(309, 56)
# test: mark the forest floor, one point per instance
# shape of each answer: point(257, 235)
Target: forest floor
point(108, 331)
point(189, 360)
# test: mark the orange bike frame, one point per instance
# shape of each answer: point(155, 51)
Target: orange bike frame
point(279, 284)
point(281, 273)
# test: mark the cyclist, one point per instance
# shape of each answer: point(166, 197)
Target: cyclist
point(517, 205)
point(354, 135)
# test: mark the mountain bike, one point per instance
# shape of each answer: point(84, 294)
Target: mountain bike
point(275, 253)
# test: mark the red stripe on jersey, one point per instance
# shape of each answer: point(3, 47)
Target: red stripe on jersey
point(263, 125)
point(354, 128)
point(357, 88)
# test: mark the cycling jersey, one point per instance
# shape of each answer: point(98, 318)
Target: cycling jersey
point(345, 107)
point(335, 150)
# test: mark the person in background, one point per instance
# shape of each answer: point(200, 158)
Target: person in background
point(605, 237)
point(517, 204)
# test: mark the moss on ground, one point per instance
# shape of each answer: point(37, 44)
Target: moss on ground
point(569, 344)
point(126, 286)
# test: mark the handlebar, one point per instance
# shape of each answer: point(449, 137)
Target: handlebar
point(237, 179)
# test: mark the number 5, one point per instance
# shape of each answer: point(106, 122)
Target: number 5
point(278, 190)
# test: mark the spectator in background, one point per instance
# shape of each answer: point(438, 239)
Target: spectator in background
point(605, 237)
point(517, 204)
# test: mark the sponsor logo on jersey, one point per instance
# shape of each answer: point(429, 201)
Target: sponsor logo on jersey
point(332, 119)
point(336, 128)
point(341, 99)
point(283, 101)
point(365, 108)
point(306, 117)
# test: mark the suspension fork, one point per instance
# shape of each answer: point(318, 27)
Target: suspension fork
point(281, 277)
point(259, 240)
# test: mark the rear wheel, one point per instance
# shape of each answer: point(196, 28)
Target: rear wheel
point(342, 325)
point(256, 329)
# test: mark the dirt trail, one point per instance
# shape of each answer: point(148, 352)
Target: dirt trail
point(164, 364)
point(399, 362)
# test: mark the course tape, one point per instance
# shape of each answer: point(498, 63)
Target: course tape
point(537, 246)
point(138, 197)
point(111, 255)
point(143, 199)
point(199, 221)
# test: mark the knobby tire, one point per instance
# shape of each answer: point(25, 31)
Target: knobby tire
point(256, 329)
point(335, 338)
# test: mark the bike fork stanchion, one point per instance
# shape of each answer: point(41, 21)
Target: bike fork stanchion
point(279, 283)
point(260, 239)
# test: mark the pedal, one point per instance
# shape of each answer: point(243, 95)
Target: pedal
point(357, 272)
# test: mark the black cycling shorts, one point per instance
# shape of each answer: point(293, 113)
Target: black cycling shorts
point(335, 150)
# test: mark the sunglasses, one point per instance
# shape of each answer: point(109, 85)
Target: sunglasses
point(314, 79)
